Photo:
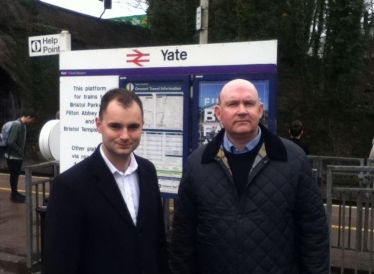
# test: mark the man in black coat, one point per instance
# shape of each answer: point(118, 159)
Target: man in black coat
point(248, 201)
point(296, 131)
point(104, 215)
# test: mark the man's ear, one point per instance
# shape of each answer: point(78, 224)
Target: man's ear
point(217, 112)
point(99, 125)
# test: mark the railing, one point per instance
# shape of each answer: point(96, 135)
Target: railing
point(36, 193)
point(370, 162)
point(320, 163)
point(351, 218)
point(349, 208)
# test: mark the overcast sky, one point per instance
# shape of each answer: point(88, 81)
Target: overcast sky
point(95, 7)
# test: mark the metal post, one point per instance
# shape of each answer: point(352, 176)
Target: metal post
point(166, 205)
point(329, 207)
point(359, 222)
point(343, 232)
point(29, 217)
point(203, 34)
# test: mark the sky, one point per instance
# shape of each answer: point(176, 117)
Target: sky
point(95, 8)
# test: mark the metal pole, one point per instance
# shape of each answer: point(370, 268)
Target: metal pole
point(203, 34)
point(29, 217)
point(329, 207)
point(166, 206)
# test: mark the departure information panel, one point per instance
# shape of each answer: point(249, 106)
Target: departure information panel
point(165, 133)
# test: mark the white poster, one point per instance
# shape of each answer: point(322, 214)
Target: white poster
point(79, 106)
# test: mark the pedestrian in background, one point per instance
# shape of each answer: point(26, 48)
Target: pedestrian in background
point(296, 131)
point(371, 155)
point(104, 214)
point(248, 202)
point(16, 152)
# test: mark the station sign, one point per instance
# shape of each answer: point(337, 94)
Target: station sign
point(178, 86)
point(49, 44)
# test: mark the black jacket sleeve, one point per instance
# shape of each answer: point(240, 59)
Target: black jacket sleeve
point(183, 241)
point(312, 232)
point(64, 230)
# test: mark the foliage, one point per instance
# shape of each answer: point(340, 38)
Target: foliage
point(325, 61)
point(172, 21)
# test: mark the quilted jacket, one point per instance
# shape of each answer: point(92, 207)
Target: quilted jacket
point(278, 225)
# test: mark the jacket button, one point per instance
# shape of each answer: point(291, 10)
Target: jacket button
point(239, 216)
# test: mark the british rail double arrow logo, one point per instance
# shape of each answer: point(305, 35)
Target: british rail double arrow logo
point(138, 57)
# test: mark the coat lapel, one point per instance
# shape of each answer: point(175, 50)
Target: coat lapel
point(147, 188)
point(108, 186)
point(144, 192)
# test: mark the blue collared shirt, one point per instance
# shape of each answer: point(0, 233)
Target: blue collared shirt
point(233, 149)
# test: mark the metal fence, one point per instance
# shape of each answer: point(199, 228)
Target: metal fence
point(36, 193)
point(320, 164)
point(349, 193)
point(351, 218)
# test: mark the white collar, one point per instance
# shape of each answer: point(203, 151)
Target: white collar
point(133, 166)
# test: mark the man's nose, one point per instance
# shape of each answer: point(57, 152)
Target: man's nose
point(241, 110)
point(124, 134)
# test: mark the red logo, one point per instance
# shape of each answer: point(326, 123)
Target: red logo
point(138, 57)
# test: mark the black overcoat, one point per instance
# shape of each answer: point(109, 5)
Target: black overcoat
point(89, 228)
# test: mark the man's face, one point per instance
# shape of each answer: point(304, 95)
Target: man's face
point(240, 110)
point(29, 120)
point(121, 129)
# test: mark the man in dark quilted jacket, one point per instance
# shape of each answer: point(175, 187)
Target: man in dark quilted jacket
point(248, 202)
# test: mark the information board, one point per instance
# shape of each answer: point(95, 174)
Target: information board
point(165, 78)
point(165, 133)
point(79, 106)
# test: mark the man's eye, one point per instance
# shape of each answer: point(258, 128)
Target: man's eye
point(134, 126)
point(251, 104)
point(115, 126)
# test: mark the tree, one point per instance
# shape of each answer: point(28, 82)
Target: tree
point(324, 50)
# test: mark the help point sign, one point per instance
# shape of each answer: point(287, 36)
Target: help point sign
point(49, 44)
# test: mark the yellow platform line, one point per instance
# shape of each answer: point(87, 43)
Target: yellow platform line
point(22, 191)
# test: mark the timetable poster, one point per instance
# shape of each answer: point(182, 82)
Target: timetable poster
point(208, 125)
point(162, 137)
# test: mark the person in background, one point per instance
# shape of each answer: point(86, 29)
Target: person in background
point(15, 153)
point(296, 131)
point(104, 214)
point(248, 201)
point(371, 155)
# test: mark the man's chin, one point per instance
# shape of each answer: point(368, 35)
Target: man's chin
point(243, 131)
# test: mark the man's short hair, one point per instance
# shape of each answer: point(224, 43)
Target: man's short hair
point(125, 97)
point(296, 128)
point(29, 113)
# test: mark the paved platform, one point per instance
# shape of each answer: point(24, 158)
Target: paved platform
point(13, 243)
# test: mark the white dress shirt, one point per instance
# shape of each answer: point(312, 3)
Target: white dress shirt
point(128, 183)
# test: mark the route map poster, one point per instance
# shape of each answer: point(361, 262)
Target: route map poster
point(163, 132)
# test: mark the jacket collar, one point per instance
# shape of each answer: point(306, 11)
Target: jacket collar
point(274, 146)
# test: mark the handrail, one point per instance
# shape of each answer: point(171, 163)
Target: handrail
point(32, 205)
